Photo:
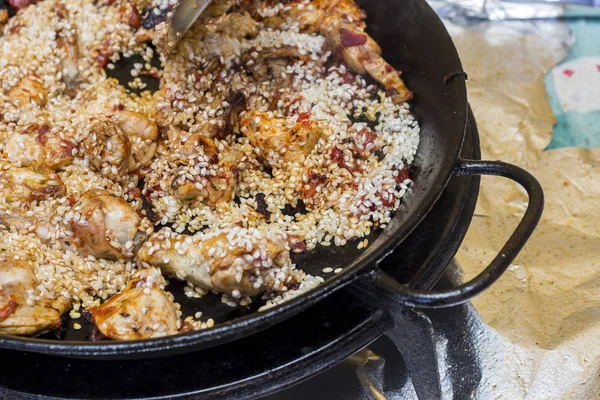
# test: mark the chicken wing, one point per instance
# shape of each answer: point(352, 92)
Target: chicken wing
point(341, 22)
point(29, 91)
point(108, 227)
point(142, 310)
point(20, 315)
point(143, 137)
point(197, 170)
point(66, 43)
point(29, 184)
point(239, 262)
point(37, 145)
point(122, 144)
point(279, 140)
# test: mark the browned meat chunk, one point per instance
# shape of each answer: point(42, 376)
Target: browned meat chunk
point(242, 263)
point(279, 140)
point(19, 314)
point(108, 227)
point(142, 310)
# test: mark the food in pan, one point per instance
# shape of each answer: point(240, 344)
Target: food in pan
point(277, 127)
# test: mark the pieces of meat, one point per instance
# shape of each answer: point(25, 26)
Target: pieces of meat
point(240, 263)
point(122, 144)
point(66, 43)
point(40, 144)
point(30, 91)
point(69, 60)
point(279, 140)
point(21, 4)
point(20, 315)
point(108, 227)
point(107, 148)
point(212, 189)
point(363, 56)
point(29, 184)
point(3, 18)
point(28, 224)
point(200, 169)
point(142, 310)
point(341, 22)
point(143, 137)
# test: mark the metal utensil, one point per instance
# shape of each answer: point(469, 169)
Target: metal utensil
point(183, 16)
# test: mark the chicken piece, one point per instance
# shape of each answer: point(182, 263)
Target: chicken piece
point(4, 17)
point(66, 43)
point(121, 145)
point(234, 24)
point(239, 262)
point(308, 20)
point(143, 137)
point(342, 24)
point(143, 310)
point(29, 91)
point(38, 145)
point(29, 184)
point(277, 139)
point(20, 315)
point(212, 189)
point(25, 225)
point(108, 227)
point(197, 171)
point(363, 55)
point(69, 61)
point(107, 148)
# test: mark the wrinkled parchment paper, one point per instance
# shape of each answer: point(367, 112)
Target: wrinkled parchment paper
point(538, 328)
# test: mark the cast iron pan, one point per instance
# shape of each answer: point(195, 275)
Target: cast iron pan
point(416, 42)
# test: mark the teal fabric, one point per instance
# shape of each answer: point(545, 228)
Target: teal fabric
point(575, 99)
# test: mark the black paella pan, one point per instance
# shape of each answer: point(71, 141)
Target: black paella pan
point(415, 41)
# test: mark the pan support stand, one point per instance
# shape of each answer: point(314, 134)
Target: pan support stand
point(413, 335)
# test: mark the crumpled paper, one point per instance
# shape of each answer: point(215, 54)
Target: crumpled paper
point(536, 333)
point(497, 10)
point(538, 327)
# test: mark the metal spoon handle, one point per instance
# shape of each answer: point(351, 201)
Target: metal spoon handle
point(183, 16)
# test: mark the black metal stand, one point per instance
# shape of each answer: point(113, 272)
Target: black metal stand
point(413, 336)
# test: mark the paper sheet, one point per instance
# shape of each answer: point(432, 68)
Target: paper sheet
point(539, 327)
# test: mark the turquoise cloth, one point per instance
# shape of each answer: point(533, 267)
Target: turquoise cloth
point(574, 85)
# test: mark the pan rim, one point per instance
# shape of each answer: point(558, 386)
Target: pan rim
point(255, 322)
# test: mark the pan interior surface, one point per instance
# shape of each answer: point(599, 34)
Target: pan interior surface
point(415, 41)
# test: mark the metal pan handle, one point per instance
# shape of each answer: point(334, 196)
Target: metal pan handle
point(466, 291)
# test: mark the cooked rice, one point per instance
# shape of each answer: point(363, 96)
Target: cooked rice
point(196, 83)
